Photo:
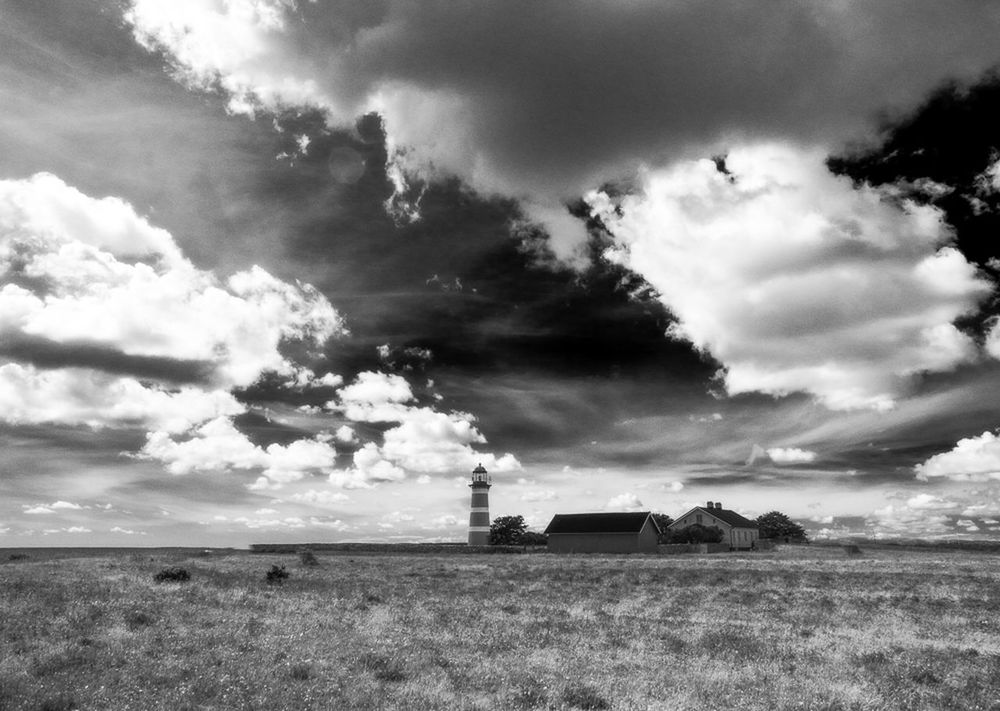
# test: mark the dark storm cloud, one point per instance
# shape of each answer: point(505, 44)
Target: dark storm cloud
point(553, 97)
point(46, 353)
point(950, 139)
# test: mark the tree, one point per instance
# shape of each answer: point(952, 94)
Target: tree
point(532, 538)
point(696, 533)
point(507, 530)
point(775, 524)
point(663, 521)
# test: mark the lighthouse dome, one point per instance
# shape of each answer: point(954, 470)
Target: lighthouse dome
point(479, 470)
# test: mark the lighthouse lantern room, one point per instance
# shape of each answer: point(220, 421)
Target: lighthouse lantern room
point(479, 516)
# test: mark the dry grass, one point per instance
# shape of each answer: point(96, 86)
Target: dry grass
point(793, 629)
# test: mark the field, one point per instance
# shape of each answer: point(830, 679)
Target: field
point(794, 628)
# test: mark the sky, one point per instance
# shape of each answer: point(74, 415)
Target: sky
point(288, 270)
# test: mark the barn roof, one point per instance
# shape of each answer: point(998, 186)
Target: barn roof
point(727, 515)
point(599, 522)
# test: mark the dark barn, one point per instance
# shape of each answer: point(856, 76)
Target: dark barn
point(603, 533)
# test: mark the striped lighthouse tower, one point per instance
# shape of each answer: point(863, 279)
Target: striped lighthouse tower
point(479, 517)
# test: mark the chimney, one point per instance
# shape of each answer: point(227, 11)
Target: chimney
point(709, 504)
point(718, 504)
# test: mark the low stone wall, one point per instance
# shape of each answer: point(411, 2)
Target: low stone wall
point(390, 548)
point(679, 548)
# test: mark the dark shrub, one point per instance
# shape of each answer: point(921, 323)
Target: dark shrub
point(382, 667)
point(696, 533)
point(62, 702)
point(172, 575)
point(134, 619)
point(18, 556)
point(276, 575)
point(584, 697)
point(301, 671)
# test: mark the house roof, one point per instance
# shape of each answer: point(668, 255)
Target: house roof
point(727, 515)
point(600, 522)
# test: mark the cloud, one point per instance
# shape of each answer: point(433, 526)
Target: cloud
point(127, 531)
point(513, 100)
point(795, 279)
point(79, 396)
point(539, 495)
point(218, 446)
point(626, 501)
point(972, 459)
point(320, 497)
point(424, 439)
point(905, 520)
point(791, 455)
point(52, 508)
point(929, 502)
point(108, 314)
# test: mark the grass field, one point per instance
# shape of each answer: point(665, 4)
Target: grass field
point(795, 628)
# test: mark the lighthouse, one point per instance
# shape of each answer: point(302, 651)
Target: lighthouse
point(479, 515)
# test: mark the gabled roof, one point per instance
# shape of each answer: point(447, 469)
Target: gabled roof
point(726, 515)
point(600, 523)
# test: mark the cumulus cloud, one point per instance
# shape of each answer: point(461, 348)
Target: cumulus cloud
point(929, 501)
point(81, 270)
point(320, 497)
point(972, 459)
point(52, 508)
point(795, 279)
point(127, 531)
point(511, 99)
point(905, 520)
point(791, 455)
point(79, 396)
point(218, 446)
point(423, 440)
point(626, 501)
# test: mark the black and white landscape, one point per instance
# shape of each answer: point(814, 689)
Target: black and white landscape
point(282, 270)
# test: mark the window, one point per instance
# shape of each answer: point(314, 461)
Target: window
point(697, 518)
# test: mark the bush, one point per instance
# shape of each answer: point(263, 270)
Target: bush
point(308, 559)
point(172, 575)
point(584, 697)
point(531, 538)
point(18, 556)
point(696, 533)
point(276, 575)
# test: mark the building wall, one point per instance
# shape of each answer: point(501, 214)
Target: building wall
point(597, 543)
point(479, 516)
point(743, 538)
point(738, 538)
point(648, 540)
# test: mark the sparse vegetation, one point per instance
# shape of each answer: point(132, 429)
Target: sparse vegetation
point(276, 575)
point(308, 559)
point(799, 627)
point(172, 575)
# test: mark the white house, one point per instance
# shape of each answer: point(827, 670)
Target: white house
point(739, 533)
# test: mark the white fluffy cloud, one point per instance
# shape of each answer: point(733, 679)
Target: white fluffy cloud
point(218, 446)
point(80, 396)
point(791, 455)
point(52, 508)
point(626, 501)
point(81, 270)
point(512, 100)
point(972, 459)
point(424, 440)
point(795, 279)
